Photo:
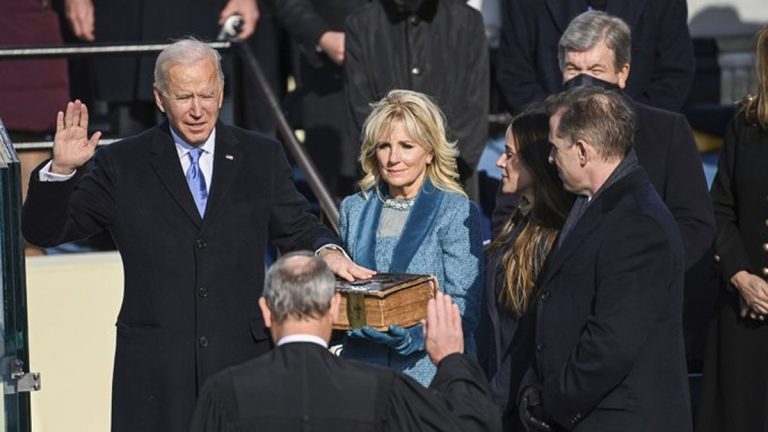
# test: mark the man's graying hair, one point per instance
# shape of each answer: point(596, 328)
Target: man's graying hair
point(603, 118)
point(185, 52)
point(589, 28)
point(299, 285)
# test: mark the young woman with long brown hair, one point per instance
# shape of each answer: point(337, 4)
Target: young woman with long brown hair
point(517, 254)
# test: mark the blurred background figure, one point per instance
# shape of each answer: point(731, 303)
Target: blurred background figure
point(125, 82)
point(317, 27)
point(662, 53)
point(734, 392)
point(517, 255)
point(31, 91)
point(436, 47)
point(411, 216)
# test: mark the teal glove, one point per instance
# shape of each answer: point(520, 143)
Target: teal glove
point(403, 341)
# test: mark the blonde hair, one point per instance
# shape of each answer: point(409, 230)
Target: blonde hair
point(756, 107)
point(425, 124)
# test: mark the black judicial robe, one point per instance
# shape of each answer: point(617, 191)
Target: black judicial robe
point(301, 386)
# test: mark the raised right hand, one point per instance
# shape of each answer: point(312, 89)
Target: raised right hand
point(442, 329)
point(71, 146)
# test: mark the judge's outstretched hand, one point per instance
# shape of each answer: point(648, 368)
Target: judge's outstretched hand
point(442, 330)
point(71, 146)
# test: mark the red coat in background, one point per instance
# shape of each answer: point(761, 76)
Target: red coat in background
point(31, 91)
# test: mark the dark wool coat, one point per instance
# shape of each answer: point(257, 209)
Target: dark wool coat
point(734, 392)
point(191, 286)
point(609, 353)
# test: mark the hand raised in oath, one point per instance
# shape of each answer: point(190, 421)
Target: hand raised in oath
point(71, 146)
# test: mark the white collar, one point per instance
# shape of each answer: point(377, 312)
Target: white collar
point(183, 147)
point(302, 338)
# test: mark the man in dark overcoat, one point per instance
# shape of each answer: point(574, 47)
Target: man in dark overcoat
point(662, 52)
point(609, 352)
point(192, 248)
point(595, 49)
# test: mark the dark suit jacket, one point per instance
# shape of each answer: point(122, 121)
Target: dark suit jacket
point(609, 341)
point(662, 64)
point(301, 386)
point(191, 285)
point(665, 148)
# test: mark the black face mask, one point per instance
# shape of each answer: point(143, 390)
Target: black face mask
point(588, 80)
point(407, 6)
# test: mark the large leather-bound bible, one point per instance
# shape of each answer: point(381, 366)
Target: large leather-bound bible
point(385, 299)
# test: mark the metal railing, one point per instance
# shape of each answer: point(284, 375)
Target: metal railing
point(736, 59)
point(327, 204)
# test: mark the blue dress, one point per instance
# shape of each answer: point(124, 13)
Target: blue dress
point(442, 237)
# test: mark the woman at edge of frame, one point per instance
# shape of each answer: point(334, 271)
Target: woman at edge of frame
point(734, 389)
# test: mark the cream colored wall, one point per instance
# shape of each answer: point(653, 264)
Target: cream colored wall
point(73, 301)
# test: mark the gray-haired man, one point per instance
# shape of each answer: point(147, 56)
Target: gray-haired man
point(301, 386)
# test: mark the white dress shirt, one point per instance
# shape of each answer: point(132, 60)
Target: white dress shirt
point(299, 337)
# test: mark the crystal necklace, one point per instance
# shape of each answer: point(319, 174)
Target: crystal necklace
point(399, 204)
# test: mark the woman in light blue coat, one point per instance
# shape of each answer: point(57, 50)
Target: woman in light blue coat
point(412, 216)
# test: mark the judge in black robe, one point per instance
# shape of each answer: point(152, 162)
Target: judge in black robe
point(300, 385)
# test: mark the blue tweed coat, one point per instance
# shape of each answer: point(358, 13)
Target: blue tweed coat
point(442, 237)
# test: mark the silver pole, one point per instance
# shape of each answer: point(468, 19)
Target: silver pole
point(48, 145)
point(8, 53)
point(284, 129)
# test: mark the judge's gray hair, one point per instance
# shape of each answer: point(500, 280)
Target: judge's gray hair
point(299, 285)
point(591, 27)
point(185, 52)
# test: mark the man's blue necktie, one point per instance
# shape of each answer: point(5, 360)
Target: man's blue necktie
point(196, 180)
